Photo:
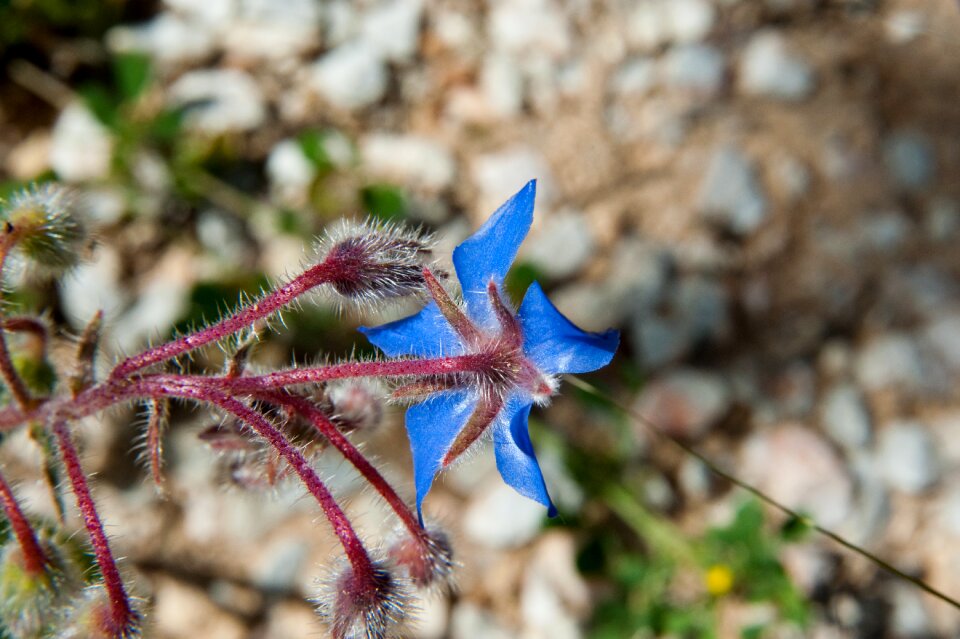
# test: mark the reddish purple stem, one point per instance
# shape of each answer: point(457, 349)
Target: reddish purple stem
point(34, 559)
point(122, 614)
point(325, 271)
point(352, 546)
point(327, 428)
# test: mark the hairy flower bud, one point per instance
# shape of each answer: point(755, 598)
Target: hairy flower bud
point(353, 405)
point(44, 222)
point(89, 616)
point(362, 606)
point(427, 558)
point(375, 262)
point(30, 601)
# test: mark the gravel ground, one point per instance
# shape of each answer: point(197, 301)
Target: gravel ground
point(762, 195)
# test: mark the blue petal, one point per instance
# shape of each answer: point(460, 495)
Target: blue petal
point(426, 334)
point(490, 251)
point(554, 344)
point(515, 458)
point(432, 427)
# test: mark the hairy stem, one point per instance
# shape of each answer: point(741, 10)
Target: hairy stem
point(122, 614)
point(352, 546)
point(350, 452)
point(9, 374)
point(314, 276)
point(34, 559)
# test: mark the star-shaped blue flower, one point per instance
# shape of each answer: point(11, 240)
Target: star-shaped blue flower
point(527, 349)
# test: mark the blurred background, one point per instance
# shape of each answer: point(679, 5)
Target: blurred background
point(763, 195)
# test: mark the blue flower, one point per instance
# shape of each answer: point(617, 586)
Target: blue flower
point(525, 351)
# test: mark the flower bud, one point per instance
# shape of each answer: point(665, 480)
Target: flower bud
point(90, 617)
point(30, 601)
point(427, 559)
point(376, 262)
point(362, 606)
point(353, 405)
point(44, 222)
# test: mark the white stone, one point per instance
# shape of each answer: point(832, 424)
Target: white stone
point(209, 12)
point(219, 100)
point(81, 147)
point(168, 39)
point(768, 68)
point(393, 29)
point(411, 160)
point(653, 23)
point(341, 22)
point(845, 416)
point(792, 464)
point(561, 245)
point(469, 621)
point(730, 194)
point(352, 76)
point(905, 25)
point(943, 335)
point(525, 26)
point(686, 402)
point(907, 457)
point(636, 76)
point(500, 175)
point(499, 517)
point(501, 83)
point(273, 30)
point(695, 67)
point(92, 286)
point(892, 360)
point(290, 171)
point(454, 29)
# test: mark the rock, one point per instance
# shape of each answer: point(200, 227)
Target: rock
point(411, 160)
point(792, 177)
point(352, 76)
point(223, 235)
point(892, 360)
point(845, 417)
point(273, 30)
point(911, 159)
point(341, 21)
point(792, 464)
point(182, 610)
point(501, 84)
point(501, 174)
point(499, 517)
point(767, 68)
point(31, 157)
point(943, 336)
point(551, 587)
point(277, 566)
point(219, 100)
point(696, 67)
point(93, 286)
point(794, 389)
point(730, 194)
point(393, 29)
point(290, 172)
point(904, 26)
point(659, 340)
point(942, 219)
point(169, 40)
point(529, 27)
point(653, 23)
point(562, 245)
point(909, 618)
point(907, 457)
point(468, 621)
point(685, 402)
point(81, 147)
point(635, 76)
point(432, 617)
point(454, 28)
point(883, 231)
point(695, 479)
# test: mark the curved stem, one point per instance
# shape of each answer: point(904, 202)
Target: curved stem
point(350, 452)
point(122, 614)
point(311, 278)
point(34, 559)
point(352, 546)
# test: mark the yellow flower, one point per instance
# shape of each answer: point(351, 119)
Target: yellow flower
point(718, 579)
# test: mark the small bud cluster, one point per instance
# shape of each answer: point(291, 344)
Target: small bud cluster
point(363, 606)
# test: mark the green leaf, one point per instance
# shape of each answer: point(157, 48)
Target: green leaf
point(132, 72)
point(384, 201)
